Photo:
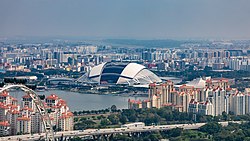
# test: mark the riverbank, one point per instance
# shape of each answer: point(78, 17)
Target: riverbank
point(85, 101)
point(95, 92)
point(119, 90)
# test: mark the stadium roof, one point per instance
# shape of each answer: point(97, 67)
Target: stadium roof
point(121, 73)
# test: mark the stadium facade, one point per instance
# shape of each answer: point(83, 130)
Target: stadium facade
point(121, 73)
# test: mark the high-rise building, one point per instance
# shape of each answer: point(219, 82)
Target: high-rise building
point(206, 96)
point(26, 119)
point(205, 108)
point(202, 108)
point(218, 100)
point(182, 100)
point(4, 128)
point(160, 94)
point(247, 97)
point(147, 56)
point(23, 125)
point(238, 105)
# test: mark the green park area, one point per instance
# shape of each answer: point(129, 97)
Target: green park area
point(113, 118)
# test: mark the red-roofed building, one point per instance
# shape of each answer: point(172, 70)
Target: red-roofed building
point(23, 125)
point(26, 118)
point(5, 97)
point(66, 121)
point(205, 108)
point(202, 108)
point(27, 102)
point(4, 123)
point(134, 104)
point(52, 100)
point(162, 91)
point(4, 128)
point(238, 103)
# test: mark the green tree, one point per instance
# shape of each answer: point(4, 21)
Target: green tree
point(83, 124)
point(151, 118)
point(105, 122)
point(175, 132)
point(211, 128)
point(113, 108)
point(153, 137)
point(123, 119)
point(113, 119)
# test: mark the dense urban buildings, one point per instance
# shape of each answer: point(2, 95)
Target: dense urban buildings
point(126, 70)
point(225, 55)
point(24, 118)
point(116, 70)
point(205, 96)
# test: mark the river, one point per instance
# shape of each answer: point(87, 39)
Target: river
point(79, 101)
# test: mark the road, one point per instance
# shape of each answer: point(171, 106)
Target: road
point(87, 132)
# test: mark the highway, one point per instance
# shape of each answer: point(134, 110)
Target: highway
point(88, 132)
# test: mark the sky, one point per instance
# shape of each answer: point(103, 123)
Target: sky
point(144, 19)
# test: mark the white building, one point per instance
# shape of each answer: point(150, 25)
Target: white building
point(23, 125)
point(238, 106)
point(26, 119)
point(203, 108)
point(4, 128)
point(218, 100)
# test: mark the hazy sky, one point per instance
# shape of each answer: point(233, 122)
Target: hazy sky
point(126, 18)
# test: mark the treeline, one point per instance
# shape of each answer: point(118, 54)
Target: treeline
point(85, 112)
point(113, 109)
point(190, 74)
point(212, 131)
point(14, 80)
point(21, 73)
point(166, 115)
point(153, 116)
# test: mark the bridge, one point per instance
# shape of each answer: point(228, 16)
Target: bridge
point(105, 134)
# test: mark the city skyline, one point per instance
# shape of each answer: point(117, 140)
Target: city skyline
point(226, 19)
point(124, 70)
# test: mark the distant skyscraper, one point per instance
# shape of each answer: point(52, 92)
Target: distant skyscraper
point(146, 56)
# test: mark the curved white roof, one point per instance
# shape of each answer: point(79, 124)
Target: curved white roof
point(97, 70)
point(132, 69)
point(121, 73)
point(122, 80)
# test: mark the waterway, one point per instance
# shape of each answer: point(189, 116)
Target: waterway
point(80, 101)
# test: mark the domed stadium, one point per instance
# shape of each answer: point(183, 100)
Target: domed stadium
point(121, 73)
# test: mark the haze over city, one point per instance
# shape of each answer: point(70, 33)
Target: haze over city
point(141, 19)
point(125, 70)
